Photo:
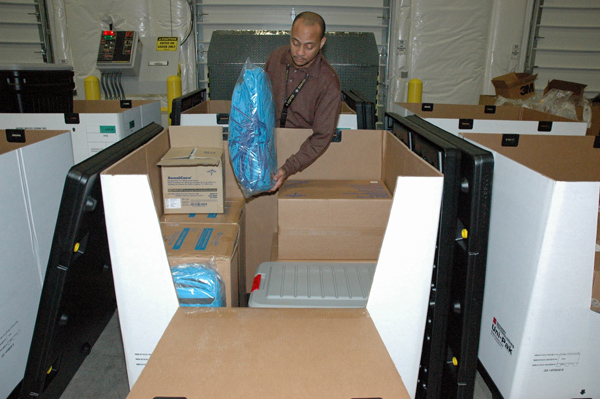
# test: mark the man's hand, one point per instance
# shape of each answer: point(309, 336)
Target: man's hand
point(279, 178)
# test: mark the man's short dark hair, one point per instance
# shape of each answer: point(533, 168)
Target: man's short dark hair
point(311, 18)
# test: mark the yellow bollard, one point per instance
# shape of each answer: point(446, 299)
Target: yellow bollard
point(415, 91)
point(92, 88)
point(173, 91)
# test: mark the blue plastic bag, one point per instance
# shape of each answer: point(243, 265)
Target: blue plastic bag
point(198, 284)
point(252, 131)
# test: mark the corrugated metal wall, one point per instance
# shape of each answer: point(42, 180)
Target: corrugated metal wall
point(566, 44)
point(23, 32)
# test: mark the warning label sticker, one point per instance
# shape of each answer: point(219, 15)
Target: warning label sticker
point(167, 43)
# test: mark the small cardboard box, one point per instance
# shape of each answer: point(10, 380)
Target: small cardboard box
point(270, 354)
point(34, 165)
point(233, 212)
point(464, 118)
point(332, 219)
point(539, 337)
point(192, 243)
point(576, 88)
point(515, 85)
point(310, 204)
point(94, 124)
point(193, 176)
point(216, 113)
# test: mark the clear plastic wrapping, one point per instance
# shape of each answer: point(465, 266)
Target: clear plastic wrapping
point(199, 284)
point(252, 131)
point(555, 102)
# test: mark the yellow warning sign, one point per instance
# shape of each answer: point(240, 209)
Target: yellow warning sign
point(166, 44)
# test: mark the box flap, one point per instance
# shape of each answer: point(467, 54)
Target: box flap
point(239, 353)
point(196, 136)
point(513, 79)
point(402, 278)
point(192, 156)
point(533, 151)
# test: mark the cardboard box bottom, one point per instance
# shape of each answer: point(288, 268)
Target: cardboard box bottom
point(354, 244)
point(270, 354)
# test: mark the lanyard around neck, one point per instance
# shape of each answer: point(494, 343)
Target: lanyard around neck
point(292, 96)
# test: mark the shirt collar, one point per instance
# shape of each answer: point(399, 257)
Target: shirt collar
point(313, 69)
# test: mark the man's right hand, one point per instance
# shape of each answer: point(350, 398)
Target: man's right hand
point(279, 178)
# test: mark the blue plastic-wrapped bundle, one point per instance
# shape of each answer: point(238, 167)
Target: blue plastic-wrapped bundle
point(252, 131)
point(199, 284)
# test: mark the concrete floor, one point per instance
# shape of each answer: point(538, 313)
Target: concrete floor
point(103, 373)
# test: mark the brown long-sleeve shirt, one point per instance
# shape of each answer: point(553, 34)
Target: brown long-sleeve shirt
point(316, 107)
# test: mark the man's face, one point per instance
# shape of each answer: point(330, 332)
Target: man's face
point(305, 43)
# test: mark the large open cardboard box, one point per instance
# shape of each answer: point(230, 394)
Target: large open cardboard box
point(539, 337)
point(462, 118)
point(33, 176)
point(216, 113)
point(94, 124)
point(399, 295)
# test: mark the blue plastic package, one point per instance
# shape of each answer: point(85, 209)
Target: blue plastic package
point(198, 284)
point(252, 131)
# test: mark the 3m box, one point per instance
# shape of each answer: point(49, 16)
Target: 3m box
point(539, 337)
point(216, 113)
point(147, 300)
point(193, 175)
point(462, 118)
point(34, 165)
point(94, 124)
point(515, 85)
point(271, 354)
point(194, 243)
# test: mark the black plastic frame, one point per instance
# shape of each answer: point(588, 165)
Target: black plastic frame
point(449, 357)
point(365, 110)
point(78, 296)
point(185, 102)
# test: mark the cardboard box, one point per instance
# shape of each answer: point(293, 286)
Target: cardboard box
point(461, 118)
point(193, 175)
point(195, 243)
point(216, 113)
point(34, 168)
point(233, 212)
point(94, 124)
point(131, 192)
point(329, 353)
point(515, 85)
point(576, 88)
point(593, 127)
point(332, 219)
point(313, 204)
point(539, 337)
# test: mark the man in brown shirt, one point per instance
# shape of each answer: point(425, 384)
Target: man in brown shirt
point(306, 91)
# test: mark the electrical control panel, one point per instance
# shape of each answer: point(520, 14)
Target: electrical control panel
point(119, 51)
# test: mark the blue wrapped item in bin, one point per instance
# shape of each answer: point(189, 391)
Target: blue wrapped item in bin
point(252, 131)
point(198, 284)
